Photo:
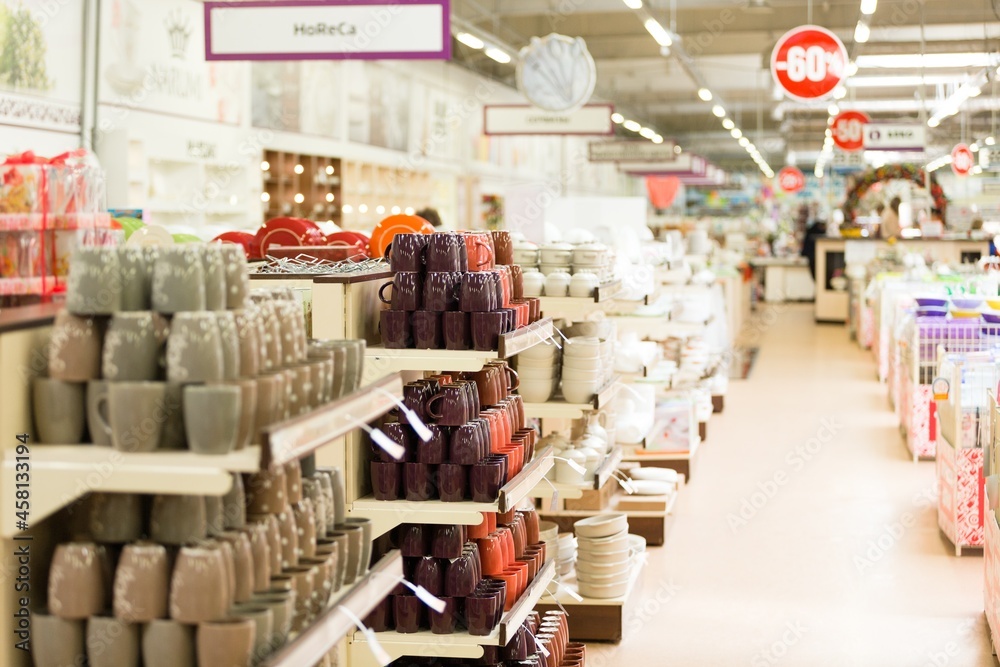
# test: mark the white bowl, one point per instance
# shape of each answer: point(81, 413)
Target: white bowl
point(654, 474)
point(547, 268)
point(597, 569)
point(539, 352)
point(579, 394)
point(637, 543)
point(583, 363)
point(542, 373)
point(602, 579)
point(547, 530)
point(648, 487)
point(620, 558)
point(532, 393)
point(598, 592)
point(602, 525)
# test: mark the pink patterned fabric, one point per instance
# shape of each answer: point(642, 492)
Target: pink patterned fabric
point(960, 494)
point(866, 331)
point(921, 434)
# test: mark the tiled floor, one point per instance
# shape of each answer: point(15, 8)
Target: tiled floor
point(807, 537)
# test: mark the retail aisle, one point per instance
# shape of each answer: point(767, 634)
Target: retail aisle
point(840, 563)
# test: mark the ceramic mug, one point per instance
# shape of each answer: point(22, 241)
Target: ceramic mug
point(427, 334)
point(77, 581)
point(178, 519)
point(396, 328)
point(133, 346)
point(64, 641)
point(136, 267)
point(197, 588)
point(504, 246)
point(446, 252)
point(113, 518)
point(94, 284)
point(168, 644)
point(112, 642)
point(441, 290)
point(407, 291)
point(229, 339)
point(179, 280)
point(226, 643)
point(407, 252)
point(456, 330)
point(142, 582)
point(194, 348)
point(74, 350)
point(214, 268)
point(212, 418)
point(237, 275)
point(60, 410)
point(136, 412)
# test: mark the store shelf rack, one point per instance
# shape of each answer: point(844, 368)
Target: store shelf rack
point(564, 410)
point(319, 639)
point(579, 308)
point(64, 473)
point(650, 524)
point(394, 360)
point(459, 645)
point(547, 489)
point(387, 514)
point(657, 327)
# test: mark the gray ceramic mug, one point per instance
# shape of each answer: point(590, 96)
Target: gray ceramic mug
point(212, 418)
point(136, 415)
point(194, 348)
point(214, 265)
point(229, 338)
point(94, 284)
point(136, 266)
point(178, 519)
point(97, 413)
point(168, 644)
point(112, 642)
point(179, 280)
point(133, 346)
point(59, 409)
point(63, 642)
point(237, 276)
point(74, 350)
point(173, 436)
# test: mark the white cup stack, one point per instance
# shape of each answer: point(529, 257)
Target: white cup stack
point(603, 556)
point(566, 552)
point(588, 364)
point(538, 369)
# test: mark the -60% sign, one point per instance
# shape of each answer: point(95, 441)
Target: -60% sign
point(808, 62)
point(962, 160)
point(791, 179)
point(849, 130)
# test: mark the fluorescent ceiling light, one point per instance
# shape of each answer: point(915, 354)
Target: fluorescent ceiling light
point(633, 4)
point(744, 142)
point(736, 132)
point(647, 133)
point(927, 60)
point(839, 92)
point(498, 55)
point(632, 125)
point(658, 32)
point(677, 149)
point(901, 81)
point(705, 94)
point(852, 68)
point(719, 111)
point(829, 133)
point(990, 141)
point(868, 7)
point(728, 124)
point(833, 110)
point(470, 40)
point(657, 139)
point(617, 118)
point(934, 122)
point(862, 32)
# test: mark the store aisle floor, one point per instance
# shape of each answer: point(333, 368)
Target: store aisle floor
point(807, 536)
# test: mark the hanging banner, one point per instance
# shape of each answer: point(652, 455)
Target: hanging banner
point(629, 151)
point(328, 30)
point(962, 160)
point(808, 62)
point(883, 137)
point(791, 179)
point(525, 119)
point(849, 130)
point(662, 190)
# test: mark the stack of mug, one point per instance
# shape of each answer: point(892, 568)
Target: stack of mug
point(478, 441)
point(479, 572)
point(182, 581)
point(167, 348)
point(454, 291)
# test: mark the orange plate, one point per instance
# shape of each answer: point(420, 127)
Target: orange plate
point(384, 231)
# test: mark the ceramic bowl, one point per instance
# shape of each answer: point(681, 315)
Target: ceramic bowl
point(654, 474)
point(965, 314)
point(602, 525)
point(966, 303)
point(937, 302)
point(598, 592)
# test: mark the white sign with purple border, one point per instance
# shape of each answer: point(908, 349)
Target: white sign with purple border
point(328, 30)
point(593, 119)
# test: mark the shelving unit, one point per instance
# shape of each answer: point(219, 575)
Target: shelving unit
point(328, 630)
point(574, 491)
point(657, 327)
point(651, 524)
point(387, 514)
point(564, 410)
point(683, 462)
point(596, 620)
point(316, 178)
point(579, 308)
point(458, 645)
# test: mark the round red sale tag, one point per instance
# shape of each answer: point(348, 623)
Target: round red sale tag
point(808, 62)
point(791, 179)
point(962, 160)
point(849, 130)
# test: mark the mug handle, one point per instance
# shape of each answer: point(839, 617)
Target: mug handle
point(490, 259)
point(103, 410)
point(429, 410)
point(513, 379)
point(381, 293)
point(387, 253)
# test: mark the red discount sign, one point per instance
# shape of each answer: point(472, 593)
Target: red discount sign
point(791, 179)
point(849, 130)
point(962, 160)
point(808, 62)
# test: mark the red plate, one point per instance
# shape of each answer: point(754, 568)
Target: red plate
point(286, 232)
point(245, 239)
point(397, 224)
point(349, 240)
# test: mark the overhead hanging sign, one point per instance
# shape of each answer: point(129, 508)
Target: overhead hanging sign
point(808, 62)
point(592, 119)
point(883, 137)
point(327, 30)
point(631, 151)
point(962, 160)
point(791, 179)
point(849, 130)
point(848, 161)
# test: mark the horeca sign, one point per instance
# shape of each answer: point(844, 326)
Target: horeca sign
point(328, 30)
point(884, 137)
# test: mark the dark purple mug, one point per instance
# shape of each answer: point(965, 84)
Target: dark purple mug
point(380, 618)
point(442, 290)
point(456, 330)
point(406, 252)
point(466, 447)
point(447, 541)
point(435, 450)
point(413, 540)
point(450, 407)
point(387, 480)
point(453, 482)
point(408, 611)
point(486, 330)
point(460, 577)
point(446, 622)
point(418, 481)
point(415, 395)
point(400, 433)
point(407, 291)
point(478, 292)
point(485, 480)
point(396, 329)
point(427, 330)
point(480, 612)
point(446, 251)
point(429, 574)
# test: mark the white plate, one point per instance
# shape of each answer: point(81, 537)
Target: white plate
point(645, 487)
point(654, 474)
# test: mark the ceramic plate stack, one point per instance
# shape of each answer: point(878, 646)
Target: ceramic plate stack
point(588, 365)
point(566, 552)
point(604, 553)
point(548, 532)
point(538, 369)
point(594, 258)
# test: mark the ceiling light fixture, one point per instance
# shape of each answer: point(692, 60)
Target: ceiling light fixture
point(647, 133)
point(951, 106)
point(719, 111)
point(840, 92)
point(862, 32)
point(728, 124)
point(658, 32)
point(470, 40)
point(705, 94)
point(868, 7)
point(990, 141)
point(744, 142)
point(928, 60)
point(498, 55)
point(657, 139)
point(633, 4)
point(677, 149)
point(632, 126)
point(617, 118)
point(833, 109)
point(736, 132)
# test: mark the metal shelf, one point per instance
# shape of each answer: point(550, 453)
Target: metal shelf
point(316, 641)
point(460, 645)
point(387, 514)
point(388, 360)
point(300, 436)
point(564, 410)
point(62, 473)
